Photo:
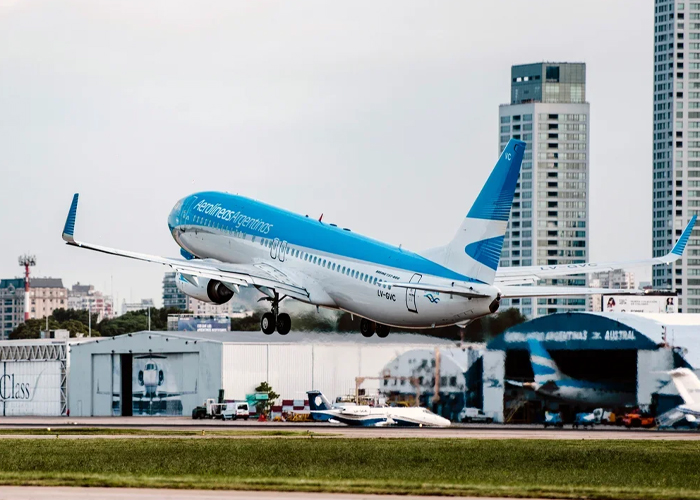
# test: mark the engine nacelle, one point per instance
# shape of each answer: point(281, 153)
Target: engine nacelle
point(212, 291)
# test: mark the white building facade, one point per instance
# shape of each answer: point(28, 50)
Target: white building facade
point(550, 215)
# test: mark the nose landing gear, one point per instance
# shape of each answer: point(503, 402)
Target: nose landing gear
point(274, 319)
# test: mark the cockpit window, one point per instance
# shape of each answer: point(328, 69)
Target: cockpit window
point(150, 366)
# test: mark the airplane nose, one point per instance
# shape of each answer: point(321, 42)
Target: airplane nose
point(174, 217)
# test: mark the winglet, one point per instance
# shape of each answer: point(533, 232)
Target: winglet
point(69, 228)
point(679, 247)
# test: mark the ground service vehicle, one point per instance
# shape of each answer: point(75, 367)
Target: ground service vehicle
point(638, 419)
point(603, 416)
point(210, 409)
point(584, 420)
point(474, 415)
point(553, 419)
point(235, 409)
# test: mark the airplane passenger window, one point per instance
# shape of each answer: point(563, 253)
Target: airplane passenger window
point(333, 266)
point(314, 260)
point(324, 263)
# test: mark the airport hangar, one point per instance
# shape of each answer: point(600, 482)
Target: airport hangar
point(599, 347)
point(169, 373)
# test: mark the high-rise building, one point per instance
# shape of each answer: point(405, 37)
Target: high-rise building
point(549, 219)
point(172, 296)
point(676, 162)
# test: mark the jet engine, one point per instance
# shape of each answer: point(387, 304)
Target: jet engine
point(212, 291)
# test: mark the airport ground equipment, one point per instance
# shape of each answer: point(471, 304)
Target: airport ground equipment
point(603, 416)
point(637, 418)
point(233, 410)
point(473, 415)
point(210, 409)
point(584, 420)
point(553, 419)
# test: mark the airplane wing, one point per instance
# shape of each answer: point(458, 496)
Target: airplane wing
point(231, 275)
point(519, 291)
point(516, 275)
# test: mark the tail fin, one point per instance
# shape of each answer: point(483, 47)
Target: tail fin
point(476, 248)
point(687, 384)
point(318, 402)
point(543, 366)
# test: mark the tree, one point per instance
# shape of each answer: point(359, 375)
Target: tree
point(247, 323)
point(263, 406)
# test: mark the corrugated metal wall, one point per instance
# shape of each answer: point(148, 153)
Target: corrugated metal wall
point(293, 369)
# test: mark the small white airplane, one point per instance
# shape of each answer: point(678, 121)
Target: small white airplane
point(551, 382)
point(688, 387)
point(369, 416)
point(228, 241)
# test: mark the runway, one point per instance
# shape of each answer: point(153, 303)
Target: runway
point(320, 430)
point(61, 493)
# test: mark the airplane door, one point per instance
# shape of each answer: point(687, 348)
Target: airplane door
point(411, 293)
point(274, 248)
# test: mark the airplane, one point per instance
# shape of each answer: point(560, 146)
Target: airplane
point(227, 241)
point(551, 382)
point(688, 387)
point(368, 416)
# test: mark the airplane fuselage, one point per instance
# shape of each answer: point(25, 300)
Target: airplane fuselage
point(577, 391)
point(338, 268)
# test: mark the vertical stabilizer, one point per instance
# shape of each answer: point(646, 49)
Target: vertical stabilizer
point(476, 248)
point(318, 402)
point(543, 366)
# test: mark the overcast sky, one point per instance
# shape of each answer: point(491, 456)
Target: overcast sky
point(381, 115)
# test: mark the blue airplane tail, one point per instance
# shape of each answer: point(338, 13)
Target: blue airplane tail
point(543, 366)
point(318, 402)
point(476, 248)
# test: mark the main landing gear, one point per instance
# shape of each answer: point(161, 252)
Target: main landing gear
point(367, 328)
point(274, 319)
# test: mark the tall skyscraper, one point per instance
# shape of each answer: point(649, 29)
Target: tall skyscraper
point(676, 166)
point(549, 218)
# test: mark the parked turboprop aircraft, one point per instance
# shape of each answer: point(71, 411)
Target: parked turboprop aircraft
point(229, 241)
point(551, 382)
point(366, 416)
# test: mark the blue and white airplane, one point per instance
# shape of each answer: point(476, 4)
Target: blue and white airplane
point(228, 241)
point(551, 382)
point(373, 416)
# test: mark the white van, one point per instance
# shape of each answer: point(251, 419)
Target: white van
point(235, 409)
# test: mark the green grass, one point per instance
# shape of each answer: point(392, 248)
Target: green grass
point(562, 469)
point(98, 431)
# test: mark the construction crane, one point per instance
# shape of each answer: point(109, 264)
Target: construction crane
point(27, 261)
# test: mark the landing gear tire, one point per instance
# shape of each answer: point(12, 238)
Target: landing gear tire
point(382, 331)
point(367, 327)
point(284, 323)
point(267, 323)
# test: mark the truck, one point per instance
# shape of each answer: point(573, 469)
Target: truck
point(474, 415)
point(210, 409)
point(235, 409)
point(553, 418)
point(584, 420)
